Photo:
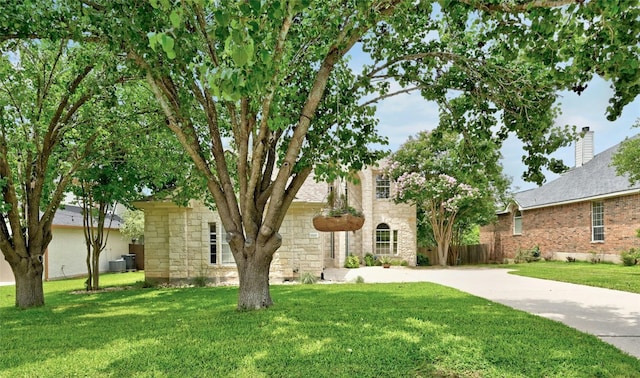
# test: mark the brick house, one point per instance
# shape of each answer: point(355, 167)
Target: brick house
point(587, 210)
point(187, 242)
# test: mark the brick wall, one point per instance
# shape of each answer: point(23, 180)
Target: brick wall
point(566, 229)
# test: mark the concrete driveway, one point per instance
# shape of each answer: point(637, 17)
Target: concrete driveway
point(613, 316)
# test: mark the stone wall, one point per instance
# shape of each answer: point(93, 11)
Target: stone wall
point(177, 244)
point(565, 230)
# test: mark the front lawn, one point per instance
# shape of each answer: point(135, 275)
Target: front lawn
point(609, 276)
point(338, 330)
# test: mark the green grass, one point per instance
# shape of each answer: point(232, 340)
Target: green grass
point(348, 330)
point(610, 276)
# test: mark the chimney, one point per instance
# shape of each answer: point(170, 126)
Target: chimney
point(584, 147)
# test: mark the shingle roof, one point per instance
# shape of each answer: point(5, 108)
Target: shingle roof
point(71, 215)
point(312, 191)
point(596, 178)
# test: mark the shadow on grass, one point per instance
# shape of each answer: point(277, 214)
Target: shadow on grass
point(380, 330)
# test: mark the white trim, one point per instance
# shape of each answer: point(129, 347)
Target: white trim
point(585, 199)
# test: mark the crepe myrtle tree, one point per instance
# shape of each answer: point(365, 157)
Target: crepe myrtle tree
point(443, 198)
point(269, 81)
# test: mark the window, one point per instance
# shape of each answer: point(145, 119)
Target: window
point(597, 221)
point(386, 240)
point(213, 244)
point(517, 223)
point(382, 186)
point(219, 256)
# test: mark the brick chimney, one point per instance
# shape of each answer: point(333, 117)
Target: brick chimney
point(584, 147)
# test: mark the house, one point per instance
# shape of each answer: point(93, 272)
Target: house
point(66, 254)
point(587, 211)
point(187, 242)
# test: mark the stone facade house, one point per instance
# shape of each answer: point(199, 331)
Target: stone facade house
point(187, 242)
point(587, 211)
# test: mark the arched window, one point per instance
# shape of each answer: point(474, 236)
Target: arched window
point(386, 240)
point(517, 222)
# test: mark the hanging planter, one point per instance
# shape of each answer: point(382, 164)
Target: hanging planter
point(338, 215)
point(338, 222)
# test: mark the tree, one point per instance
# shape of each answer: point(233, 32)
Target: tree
point(270, 79)
point(627, 158)
point(133, 224)
point(45, 90)
point(134, 153)
point(453, 181)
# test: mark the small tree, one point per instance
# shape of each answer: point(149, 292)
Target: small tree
point(133, 224)
point(444, 199)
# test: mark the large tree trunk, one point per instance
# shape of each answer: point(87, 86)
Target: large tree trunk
point(254, 282)
point(28, 275)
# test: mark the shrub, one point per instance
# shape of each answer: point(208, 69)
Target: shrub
point(200, 281)
point(308, 278)
point(404, 263)
point(352, 262)
point(369, 260)
point(594, 257)
point(630, 257)
point(571, 259)
point(396, 262)
point(422, 260)
point(527, 255)
point(360, 280)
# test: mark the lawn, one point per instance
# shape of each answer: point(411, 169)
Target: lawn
point(610, 276)
point(339, 330)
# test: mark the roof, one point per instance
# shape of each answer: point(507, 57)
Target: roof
point(312, 191)
point(71, 215)
point(595, 179)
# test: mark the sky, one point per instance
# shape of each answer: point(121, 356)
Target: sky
point(405, 115)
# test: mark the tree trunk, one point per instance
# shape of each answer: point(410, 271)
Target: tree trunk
point(443, 248)
point(29, 291)
point(254, 282)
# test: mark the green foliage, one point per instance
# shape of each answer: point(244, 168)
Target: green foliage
point(627, 157)
point(133, 224)
point(308, 278)
point(630, 257)
point(208, 337)
point(527, 255)
point(384, 260)
point(422, 260)
point(359, 280)
point(352, 262)
point(199, 281)
point(369, 259)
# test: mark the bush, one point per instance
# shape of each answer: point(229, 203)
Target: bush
point(360, 280)
point(422, 260)
point(630, 257)
point(369, 260)
point(308, 278)
point(571, 259)
point(200, 281)
point(352, 262)
point(527, 255)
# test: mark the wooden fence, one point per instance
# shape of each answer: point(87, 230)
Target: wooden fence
point(464, 254)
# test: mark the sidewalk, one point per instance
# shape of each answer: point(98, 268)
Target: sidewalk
point(613, 316)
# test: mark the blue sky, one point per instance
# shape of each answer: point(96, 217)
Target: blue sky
point(406, 115)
